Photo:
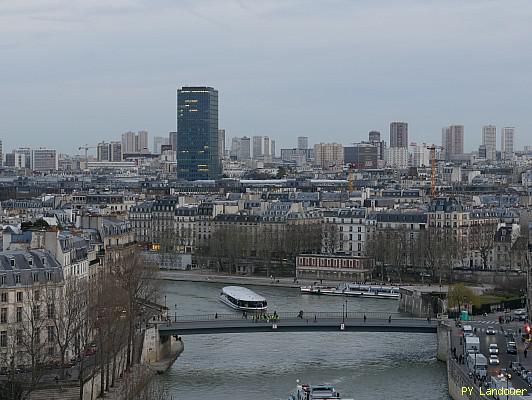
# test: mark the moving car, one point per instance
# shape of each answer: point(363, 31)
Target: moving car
point(511, 348)
point(494, 349)
point(491, 330)
point(494, 360)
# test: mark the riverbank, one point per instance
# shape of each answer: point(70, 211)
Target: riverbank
point(214, 277)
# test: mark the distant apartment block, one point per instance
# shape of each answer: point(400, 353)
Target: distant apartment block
point(158, 142)
point(507, 142)
point(399, 134)
point(302, 142)
point(240, 148)
point(329, 155)
point(396, 157)
point(221, 143)
point(135, 142)
point(361, 155)
point(453, 141)
point(489, 140)
point(111, 152)
point(44, 160)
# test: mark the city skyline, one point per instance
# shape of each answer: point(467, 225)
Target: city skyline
point(269, 85)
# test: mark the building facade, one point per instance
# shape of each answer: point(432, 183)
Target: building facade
point(399, 134)
point(197, 134)
point(489, 140)
point(329, 155)
point(507, 143)
point(453, 141)
point(44, 160)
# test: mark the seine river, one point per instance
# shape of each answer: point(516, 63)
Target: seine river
point(265, 366)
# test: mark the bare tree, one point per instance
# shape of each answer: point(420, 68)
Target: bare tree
point(331, 238)
point(135, 277)
point(482, 239)
point(64, 309)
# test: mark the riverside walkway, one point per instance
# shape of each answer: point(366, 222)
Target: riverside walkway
point(293, 322)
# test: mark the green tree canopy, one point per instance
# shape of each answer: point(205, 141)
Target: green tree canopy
point(460, 295)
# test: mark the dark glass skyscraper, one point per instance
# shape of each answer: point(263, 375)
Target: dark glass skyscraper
point(197, 133)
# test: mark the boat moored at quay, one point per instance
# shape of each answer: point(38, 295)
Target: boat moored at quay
point(243, 299)
point(354, 290)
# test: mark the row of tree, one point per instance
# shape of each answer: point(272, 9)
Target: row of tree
point(83, 316)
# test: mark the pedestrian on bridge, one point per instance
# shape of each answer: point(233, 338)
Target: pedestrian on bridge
point(390, 319)
point(364, 318)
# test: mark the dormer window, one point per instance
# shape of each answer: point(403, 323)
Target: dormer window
point(12, 262)
point(30, 261)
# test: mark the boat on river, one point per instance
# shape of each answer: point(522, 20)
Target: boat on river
point(354, 290)
point(318, 392)
point(243, 299)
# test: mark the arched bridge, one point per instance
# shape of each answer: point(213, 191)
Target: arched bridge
point(294, 322)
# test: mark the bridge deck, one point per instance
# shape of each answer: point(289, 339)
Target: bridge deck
point(295, 324)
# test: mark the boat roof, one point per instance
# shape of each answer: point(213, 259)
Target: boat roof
point(242, 293)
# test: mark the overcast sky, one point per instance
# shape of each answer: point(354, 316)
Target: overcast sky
point(81, 71)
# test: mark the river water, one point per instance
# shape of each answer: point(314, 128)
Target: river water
point(265, 366)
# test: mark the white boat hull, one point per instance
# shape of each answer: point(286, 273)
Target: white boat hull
point(348, 293)
point(241, 308)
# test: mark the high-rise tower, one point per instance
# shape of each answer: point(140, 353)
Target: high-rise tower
point(197, 133)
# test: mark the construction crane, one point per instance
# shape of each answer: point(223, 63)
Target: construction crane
point(86, 147)
point(432, 149)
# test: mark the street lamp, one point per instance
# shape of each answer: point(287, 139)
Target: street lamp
point(343, 313)
point(346, 315)
point(508, 377)
point(175, 316)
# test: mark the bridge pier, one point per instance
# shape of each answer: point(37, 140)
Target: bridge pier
point(160, 352)
point(443, 334)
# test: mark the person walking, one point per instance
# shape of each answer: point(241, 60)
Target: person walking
point(364, 318)
point(525, 352)
point(390, 319)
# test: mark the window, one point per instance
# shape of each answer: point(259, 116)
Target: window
point(51, 334)
point(3, 339)
point(19, 336)
point(19, 314)
point(51, 311)
point(19, 297)
point(3, 297)
point(12, 262)
point(35, 277)
point(37, 295)
point(48, 276)
point(3, 316)
point(2, 279)
point(36, 313)
point(17, 278)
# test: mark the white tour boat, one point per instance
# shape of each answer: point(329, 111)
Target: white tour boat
point(243, 299)
point(354, 290)
point(321, 392)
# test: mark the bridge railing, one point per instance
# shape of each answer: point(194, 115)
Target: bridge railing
point(293, 315)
